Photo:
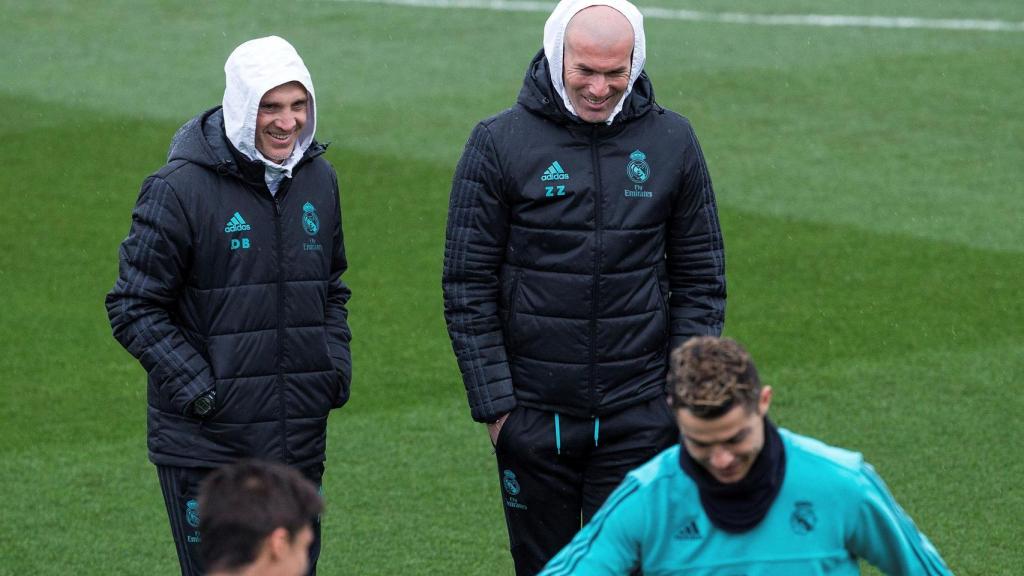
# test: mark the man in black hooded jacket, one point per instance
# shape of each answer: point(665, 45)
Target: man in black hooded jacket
point(230, 291)
point(582, 244)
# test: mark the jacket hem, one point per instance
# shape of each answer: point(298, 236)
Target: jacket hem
point(184, 462)
point(602, 411)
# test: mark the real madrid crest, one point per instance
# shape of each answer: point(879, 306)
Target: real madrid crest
point(803, 520)
point(310, 221)
point(510, 483)
point(192, 513)
point(637, 169)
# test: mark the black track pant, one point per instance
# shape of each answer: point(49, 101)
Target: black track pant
point(181, 494)
point(557, 470)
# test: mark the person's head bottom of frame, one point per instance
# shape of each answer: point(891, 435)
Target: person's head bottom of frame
point(257, 517)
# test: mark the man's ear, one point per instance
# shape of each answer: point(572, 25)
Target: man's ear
point(277, 543)
point(764, 401)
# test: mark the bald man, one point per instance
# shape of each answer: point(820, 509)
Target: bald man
point(582, 243)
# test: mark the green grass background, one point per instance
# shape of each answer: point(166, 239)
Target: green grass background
point(871, 196)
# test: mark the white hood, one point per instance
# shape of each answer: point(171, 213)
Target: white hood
point(554, 42)
point(253, 69)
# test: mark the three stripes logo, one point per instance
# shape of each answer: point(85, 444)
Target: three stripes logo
point(554, 172)
point(689, 531)
point(237, 224)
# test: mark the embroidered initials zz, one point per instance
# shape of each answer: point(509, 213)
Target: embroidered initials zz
point(550, 191)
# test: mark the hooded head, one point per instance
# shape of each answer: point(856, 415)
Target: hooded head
point(555, 51)
point(254, 69)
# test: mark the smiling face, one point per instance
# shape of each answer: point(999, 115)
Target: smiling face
point(596, 63)
point(726, 446)
point(280, 120)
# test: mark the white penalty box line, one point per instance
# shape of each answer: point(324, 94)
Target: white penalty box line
point(657, 13)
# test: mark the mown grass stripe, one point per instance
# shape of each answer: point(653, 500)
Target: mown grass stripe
point(745, 18)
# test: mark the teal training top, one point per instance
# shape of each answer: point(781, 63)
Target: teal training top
point(831, 510)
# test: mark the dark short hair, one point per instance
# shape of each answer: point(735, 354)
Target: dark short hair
point(242, 503)
point(709, 375)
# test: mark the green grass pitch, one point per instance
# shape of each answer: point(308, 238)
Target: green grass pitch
point(870, 189)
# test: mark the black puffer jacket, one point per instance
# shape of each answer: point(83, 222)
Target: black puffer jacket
point(224, 286)
point(577, 254)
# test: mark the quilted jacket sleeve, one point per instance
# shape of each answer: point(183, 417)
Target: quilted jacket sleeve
point(338, 293)
point(153, 261)
point(696, 254)
point(474, 250)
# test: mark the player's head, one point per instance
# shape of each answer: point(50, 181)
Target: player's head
point(595, 51)
point(597, 55)
point(269, 103)
point(719, 404)
point(258, 516)
point(280, 119)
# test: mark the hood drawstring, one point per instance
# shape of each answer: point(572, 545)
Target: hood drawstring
point(224, 167)
point(597, 428)
point(558, 435)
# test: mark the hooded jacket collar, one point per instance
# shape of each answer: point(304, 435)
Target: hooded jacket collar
point(202, 141)
point(252, 69)
point(554, 44)
point(538, 95)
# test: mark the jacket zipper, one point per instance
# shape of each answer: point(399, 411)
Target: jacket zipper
point(595, 282)
point(281, 332)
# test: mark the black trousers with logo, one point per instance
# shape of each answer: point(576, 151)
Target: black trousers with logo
point(557, 470)
point(180, 487)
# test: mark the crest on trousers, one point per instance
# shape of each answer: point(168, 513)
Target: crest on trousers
point(310, 221)
point(509, 482)
point(637, 169)
point(192, 513)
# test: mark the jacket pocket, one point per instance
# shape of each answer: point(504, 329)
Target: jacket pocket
point(506, 431)
point(513, 306)
point(339, 388)
point(200, 342)
point(342, 388)
point(661, 282)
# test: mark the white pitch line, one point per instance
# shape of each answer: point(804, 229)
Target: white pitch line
point(825, 20)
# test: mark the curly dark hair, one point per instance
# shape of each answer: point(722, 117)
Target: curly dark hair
point(709, 375)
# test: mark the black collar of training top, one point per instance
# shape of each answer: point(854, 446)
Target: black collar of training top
point(740, 506)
